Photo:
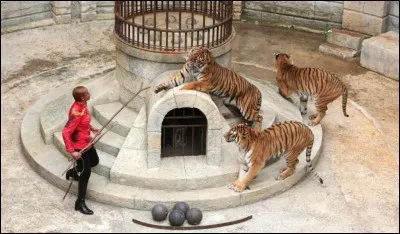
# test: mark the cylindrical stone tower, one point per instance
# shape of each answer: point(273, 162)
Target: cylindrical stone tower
point(152, 39)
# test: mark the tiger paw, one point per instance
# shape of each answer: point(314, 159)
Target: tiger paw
point(239, 187)
point(313, 123)
point(282, 170)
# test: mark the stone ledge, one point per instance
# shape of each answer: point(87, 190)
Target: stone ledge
point(338, 51)
point(346, 38)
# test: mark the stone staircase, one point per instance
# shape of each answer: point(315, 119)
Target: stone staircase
point(122, 177)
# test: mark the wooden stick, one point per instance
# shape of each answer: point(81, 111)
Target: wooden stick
point(140, 90)
point(109, 121)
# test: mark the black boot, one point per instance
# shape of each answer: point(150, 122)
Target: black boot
point(81, 206)
point(71, 173)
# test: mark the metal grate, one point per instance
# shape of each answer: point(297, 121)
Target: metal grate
point(184, 132)
point(173, 26)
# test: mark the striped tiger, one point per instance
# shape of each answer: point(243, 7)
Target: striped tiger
point(324, 86)
point(257, 147)
point(202, 73)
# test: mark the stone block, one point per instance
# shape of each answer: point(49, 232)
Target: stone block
point(354, 5)
point(154, 140)
point(62, 19)
point(363, 23)
point(269, 17)
point(153, 158)
point(393, 23)
point(213, 157)
point(381, 54)
point(88, 16)
point(184, 98)
point(285, 19)
point(58, 4)
point(338, 51)
point(252, 14)
point(165, 104)
point(377, 8)
point(331, 25)
point(136, 139)
point(214, 138)
point(394, 8)
point(61, 10)
point(346, 38)
point(104, 10)
point(328, 11)
point(310, 23)
point(205, 103)
point(155, 121)
point(106, 3)
point(88, 6)
point(25, 19)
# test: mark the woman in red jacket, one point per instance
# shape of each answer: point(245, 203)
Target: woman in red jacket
point(76, 135)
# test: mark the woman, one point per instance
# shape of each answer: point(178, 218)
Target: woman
point(76, 135)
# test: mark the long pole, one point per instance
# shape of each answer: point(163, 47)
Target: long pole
point(109, 121)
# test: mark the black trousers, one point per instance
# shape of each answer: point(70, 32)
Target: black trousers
point(88, 160)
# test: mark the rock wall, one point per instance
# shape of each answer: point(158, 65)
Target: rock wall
point(320, 15)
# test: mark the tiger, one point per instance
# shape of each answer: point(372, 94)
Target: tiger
point(317, 83)
point(202, 73)
point(287, 138)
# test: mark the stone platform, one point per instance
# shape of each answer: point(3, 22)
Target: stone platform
point(381, 54)
point(123, 177)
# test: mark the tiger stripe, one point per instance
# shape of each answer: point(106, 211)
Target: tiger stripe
point(202, 73)
point(257, 147)
point(324, 86)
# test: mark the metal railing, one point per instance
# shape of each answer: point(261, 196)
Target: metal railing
point(173, 26)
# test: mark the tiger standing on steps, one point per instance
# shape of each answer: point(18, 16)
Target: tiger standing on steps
point(324, 86)
point(202, 73)
point(256, 148)
point(76, 136)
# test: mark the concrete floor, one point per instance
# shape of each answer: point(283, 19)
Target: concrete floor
point(359, 161)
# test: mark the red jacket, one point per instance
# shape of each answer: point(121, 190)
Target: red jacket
point(76, 133)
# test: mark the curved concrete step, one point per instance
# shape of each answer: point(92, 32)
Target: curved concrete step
point(125, 118)
point(106, 160)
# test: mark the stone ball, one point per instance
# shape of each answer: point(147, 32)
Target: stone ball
point(194, 216)
point(159, 212)
point(183, 206)
point(176, 217)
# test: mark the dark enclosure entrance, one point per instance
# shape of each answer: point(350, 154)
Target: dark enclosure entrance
point(184, 132)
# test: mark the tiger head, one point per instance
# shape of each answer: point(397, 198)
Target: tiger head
point(282, 58)
point(239, 134)
point(198, 58)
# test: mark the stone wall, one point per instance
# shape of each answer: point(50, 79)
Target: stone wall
point(24, 12)
point(18, 15)
point(320, 15)
point(393, 21)
point(366, 17)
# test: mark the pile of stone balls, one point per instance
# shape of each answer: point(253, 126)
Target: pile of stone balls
point(179, 213)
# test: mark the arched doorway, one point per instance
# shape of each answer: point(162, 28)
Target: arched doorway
point(184, 133)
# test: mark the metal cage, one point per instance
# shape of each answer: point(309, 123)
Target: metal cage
point(173, 26)
point(184, 132)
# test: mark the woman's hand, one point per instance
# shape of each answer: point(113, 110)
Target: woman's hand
point(76, 155)
point(95, 131)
